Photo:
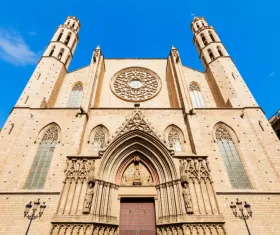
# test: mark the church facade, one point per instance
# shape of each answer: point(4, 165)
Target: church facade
point(138, 146)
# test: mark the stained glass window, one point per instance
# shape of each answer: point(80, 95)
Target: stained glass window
point(75, 96)
point(196, 96)
point(42, 161)
point(234, 167)
point(99, 138)
point(174, 139)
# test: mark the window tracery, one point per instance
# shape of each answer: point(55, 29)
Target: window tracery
point(135, 84)
point(76, 95)
point(42, 160)
point(100, 136)
point(174, 139)
point(231, 158)
point(196, 96)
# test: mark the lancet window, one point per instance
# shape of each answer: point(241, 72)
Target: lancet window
point(196, 96)
point(76, 95)
point(42, 161)
point(99, 136)
point(175, 139)
point(233, 164)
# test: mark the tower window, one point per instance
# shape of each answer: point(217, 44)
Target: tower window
point(73, 25)
point(211, 54)
point(196, 96)
point(220, 51)
point(202, 23)
point(42, 161)
point(204, 61)
point(211, 36)
point(60, 35)
point(233, 164)
point(203, 39)
point(67, 39)
point(52, 51)
point(197, 26)
point(76, 95)
point(60, 54)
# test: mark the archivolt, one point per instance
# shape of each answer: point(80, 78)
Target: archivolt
point(148, 146)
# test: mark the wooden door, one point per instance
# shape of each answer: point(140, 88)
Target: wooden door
point(137, 217)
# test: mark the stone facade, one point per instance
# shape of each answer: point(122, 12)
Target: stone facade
point(138, 128)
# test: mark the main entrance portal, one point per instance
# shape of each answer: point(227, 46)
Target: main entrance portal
point(137, 216)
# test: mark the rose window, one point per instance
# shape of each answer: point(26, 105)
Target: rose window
point(136, 84)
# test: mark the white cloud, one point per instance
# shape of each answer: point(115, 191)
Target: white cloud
point(13, 49)
point(32, 33)
point(272, 74)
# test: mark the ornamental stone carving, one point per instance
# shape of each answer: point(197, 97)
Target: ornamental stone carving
point(136, 84)
point(194, 168)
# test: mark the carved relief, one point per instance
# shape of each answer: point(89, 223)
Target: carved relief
point(190, 229)
point(78, 169)
point(135, 84)
point(194, 168)
point(136, 122)
point(137, 174)
point(197, 189)
point(83, 229)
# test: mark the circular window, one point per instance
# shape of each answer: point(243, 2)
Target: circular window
point(135, 84)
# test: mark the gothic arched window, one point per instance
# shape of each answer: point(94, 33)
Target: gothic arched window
point(175, 138)
point(59, 36)
point(211, 54)
point(211, 36)
point(99, 137)
point(233, 164)
point(203, 39)
point(76, 95)
point(196, 96)
point(52, 51)
point(42, 161)
point(60, 54)
point(220, 51)
point(67, 39)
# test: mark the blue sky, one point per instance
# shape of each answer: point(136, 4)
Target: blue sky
point(142, 28)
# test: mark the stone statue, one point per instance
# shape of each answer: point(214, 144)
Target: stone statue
point(137, 176)
point(88, 198)
point(187, 198)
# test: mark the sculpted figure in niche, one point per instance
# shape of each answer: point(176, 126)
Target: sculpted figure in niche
point(88, 198)
point(187, 198)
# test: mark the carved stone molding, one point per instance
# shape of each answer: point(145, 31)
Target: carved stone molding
point(83, 229)
point(78, 169)
point(192, 229)
point(136, 122)
point(194, 168)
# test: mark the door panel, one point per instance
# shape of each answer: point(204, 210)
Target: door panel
point(137, 217)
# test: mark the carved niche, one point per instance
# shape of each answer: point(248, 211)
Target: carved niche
point(136, 84)
point(136, 174)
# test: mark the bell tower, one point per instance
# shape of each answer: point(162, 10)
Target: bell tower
point(44, 85)
point(225, 81)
